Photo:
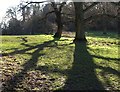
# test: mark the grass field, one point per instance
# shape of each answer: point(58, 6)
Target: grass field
point(39, 62)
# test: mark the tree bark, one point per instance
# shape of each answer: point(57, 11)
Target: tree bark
point(58, 18)
point(79, 22)
point(59, 25)
point(118, 19)
point(23, 14)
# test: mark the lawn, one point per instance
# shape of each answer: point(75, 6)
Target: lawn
point(39, 62)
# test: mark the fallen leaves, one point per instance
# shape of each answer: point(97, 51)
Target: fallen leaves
point(14, 78)
point(102, 42)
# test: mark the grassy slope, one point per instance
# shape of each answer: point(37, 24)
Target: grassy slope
point(40, 62)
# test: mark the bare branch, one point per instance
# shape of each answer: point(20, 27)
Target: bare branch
point(47, 14)
point(67, 14)
point(61, 6)
point(54, 5)
point(115, 3)
point(99, 15)
point(31, 3)
point(65, 22)
point(92, 5)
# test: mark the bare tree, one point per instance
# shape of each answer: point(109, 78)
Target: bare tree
point(12, 13)
point(58, 12)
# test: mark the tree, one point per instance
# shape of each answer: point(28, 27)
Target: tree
point(57, 9)
point(58, 13)
point(0, 28)
point(14, 27)
point(12, 12)
point(32, 17)
point(118, 14)
point(79, 22)
point(118, 17)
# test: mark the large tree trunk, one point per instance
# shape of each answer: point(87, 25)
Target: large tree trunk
point(59, 25)
point(79, 22)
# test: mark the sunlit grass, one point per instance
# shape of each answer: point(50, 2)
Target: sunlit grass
point(56, 58)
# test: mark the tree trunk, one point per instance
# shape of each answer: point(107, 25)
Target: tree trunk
point(59, 25)
point(23, 14)
point(79, 22)
point(118, 20)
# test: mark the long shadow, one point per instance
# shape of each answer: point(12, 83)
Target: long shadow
point(102, 57)
point(30, 64)
point(82, 75)
point(106, 58)
point(29, 47)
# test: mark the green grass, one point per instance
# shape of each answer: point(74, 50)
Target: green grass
point(40, 62)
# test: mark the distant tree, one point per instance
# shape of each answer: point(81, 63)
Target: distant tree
point(14, 27)
point(61, 15)
point(57, 10)
point(118, 14)
point(0, 28)
point(31, 15)
point(11, 24)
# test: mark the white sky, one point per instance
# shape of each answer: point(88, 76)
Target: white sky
point(5, 4)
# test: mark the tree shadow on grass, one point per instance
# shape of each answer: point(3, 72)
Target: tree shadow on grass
point(82, 75)
point(30, 64)
point(30, 47)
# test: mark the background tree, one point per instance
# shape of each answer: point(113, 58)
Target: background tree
point(58, 12)
point(57, 17)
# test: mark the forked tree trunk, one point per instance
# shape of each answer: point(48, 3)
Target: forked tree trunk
point(79, 22)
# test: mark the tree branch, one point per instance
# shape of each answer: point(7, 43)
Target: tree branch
point(66, 22)
point(47, 14)
point(67, 14)
point(99, 15)
point(54, 6)
point(31, 3)
point(115, 3)
point(61, 6)
point(92, 5)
